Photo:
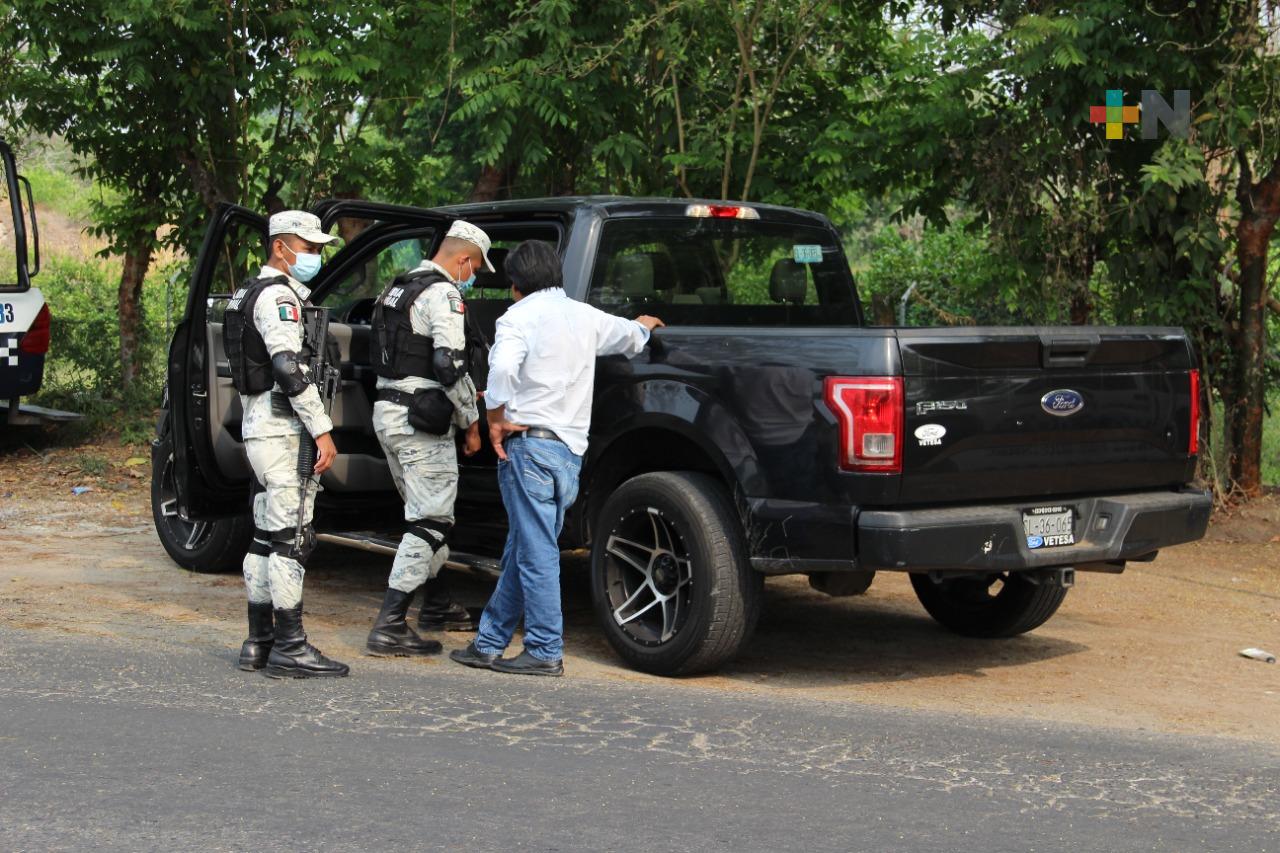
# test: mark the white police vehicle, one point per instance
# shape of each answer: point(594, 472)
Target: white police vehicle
point(24, 316)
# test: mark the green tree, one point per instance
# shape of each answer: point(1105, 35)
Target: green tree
point(182, 105)
point(711, 98)
point(988, 103)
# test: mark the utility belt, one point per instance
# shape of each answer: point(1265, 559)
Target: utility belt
point(399, 398)
point(430, 409)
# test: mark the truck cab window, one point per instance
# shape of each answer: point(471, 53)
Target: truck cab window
point(720, 272)
point(494, 287)
point(240, 257)
point(354, 293)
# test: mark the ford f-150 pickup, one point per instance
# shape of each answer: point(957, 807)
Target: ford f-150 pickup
point(767, 430)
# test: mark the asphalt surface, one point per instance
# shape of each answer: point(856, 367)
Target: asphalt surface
point(115, 744)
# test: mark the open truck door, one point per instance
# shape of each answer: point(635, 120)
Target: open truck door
point(201, 474)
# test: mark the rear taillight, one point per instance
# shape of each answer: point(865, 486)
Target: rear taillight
point(36, 340)
point(869, 411)
point(1193, 440)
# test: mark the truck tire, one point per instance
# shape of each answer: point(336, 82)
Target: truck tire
point(670, 582)
point(199, 546)
point(999, 605)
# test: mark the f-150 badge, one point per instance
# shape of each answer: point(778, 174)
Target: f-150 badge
point(1062, 403)
point(925, 407)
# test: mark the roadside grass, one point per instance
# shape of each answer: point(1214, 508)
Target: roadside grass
point(1271, 442)
point(64, 192)
point(94, 466)
point(1215, 456)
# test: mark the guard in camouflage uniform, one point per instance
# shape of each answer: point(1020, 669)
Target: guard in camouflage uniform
point(424, 393)
point(267, 350)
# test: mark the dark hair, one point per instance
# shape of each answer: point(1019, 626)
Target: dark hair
point(534, 266)
point(271, 242)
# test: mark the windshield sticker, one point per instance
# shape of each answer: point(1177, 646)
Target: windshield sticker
point(806, 253)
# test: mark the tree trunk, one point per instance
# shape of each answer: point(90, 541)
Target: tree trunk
point(494, 183)
point(1081, 304)
point(1260, 208)
point(137, 259)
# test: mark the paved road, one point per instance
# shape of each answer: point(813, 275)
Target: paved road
point(119, 745)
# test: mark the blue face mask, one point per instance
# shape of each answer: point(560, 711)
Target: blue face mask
point(304, 266)
point(467, 283)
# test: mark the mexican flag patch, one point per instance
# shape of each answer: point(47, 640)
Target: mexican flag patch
point(289, 312)
point(456, 306)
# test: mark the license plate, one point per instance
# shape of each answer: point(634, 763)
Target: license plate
point(1049, 526)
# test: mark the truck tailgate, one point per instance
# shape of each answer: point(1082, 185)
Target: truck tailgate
point(1036, 412)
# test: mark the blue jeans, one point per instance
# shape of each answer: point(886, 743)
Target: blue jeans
point(539, 481)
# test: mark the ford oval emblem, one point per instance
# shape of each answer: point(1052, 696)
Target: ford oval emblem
point(1062, 403)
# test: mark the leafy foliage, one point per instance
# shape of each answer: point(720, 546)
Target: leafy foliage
point(952, 141)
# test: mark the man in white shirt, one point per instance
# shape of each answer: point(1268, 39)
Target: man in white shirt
point(541, 372)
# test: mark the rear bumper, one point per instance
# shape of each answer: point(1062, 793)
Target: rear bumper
point(22, 379)
point(1107, 530)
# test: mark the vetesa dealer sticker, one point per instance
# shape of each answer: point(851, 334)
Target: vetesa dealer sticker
point(805, 253)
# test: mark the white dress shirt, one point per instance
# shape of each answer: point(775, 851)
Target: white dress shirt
point(543, 362)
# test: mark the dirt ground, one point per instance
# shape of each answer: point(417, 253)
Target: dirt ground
point(1155, 648)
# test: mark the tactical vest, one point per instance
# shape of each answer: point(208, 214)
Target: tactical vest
point(397, 351)
point(246, 350)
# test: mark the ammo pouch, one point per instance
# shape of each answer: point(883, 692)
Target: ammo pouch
point(430, 411)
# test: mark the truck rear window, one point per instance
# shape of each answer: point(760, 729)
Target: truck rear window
point(723, 272)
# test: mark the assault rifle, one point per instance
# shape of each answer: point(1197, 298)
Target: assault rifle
point(326, 377)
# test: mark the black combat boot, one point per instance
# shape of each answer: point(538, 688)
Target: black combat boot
point(293, 657)
point(254, 651)
point(391, 634)
point(440, 612)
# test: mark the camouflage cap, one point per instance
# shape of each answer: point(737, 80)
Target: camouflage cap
point(305, 225)
point(466, 231)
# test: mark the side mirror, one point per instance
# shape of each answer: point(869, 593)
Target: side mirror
point(35, 229)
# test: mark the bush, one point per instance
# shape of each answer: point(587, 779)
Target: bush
point(83, 372)
point(958, 277)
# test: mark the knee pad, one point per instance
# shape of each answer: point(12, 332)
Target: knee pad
point(435, 533)
point(284, 543)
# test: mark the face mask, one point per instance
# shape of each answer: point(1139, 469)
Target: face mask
point(467, 283)
point(305, 266)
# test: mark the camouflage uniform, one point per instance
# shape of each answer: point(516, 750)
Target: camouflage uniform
point(271, 439)
point(425, 466)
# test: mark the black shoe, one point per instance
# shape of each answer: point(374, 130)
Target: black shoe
point(526, 664)
point(262, 634)
point(293, 657)
point(391, 634)
point(440, 612)
point(455, 618)
point(471, 656)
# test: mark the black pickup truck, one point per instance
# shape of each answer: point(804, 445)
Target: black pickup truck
point(767, 430)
